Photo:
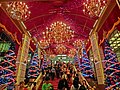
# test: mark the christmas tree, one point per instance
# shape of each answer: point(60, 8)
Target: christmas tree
point(111, 68)
point(76, 60)
point(44, 65)
point(7, 69)
point(85, 66)
point(34, 70)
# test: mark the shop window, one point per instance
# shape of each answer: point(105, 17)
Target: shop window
point(114, 41)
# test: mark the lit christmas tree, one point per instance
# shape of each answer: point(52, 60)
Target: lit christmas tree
point(44, 65)
point(7, 69)
point(111, 68)
point(76, 60)
point(34, 70)
point(85, 66)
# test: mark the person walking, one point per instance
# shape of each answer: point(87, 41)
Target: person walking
point(84, 86)
point(76, 84)
point(47, 85)
point(63, 84)
point(52, 73)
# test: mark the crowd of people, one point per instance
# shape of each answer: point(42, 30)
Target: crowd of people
point(67, 75)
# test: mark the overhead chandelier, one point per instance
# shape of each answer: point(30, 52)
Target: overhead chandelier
point(72, 52)
point(77, 43)
point(58, 33)
point(93, 7)
point(52, 56)
point(49, 51)
point(60, 49)
point(18, 10)
point(44, 44)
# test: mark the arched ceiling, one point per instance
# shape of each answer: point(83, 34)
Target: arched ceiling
point(45, 12)
point(68, 11)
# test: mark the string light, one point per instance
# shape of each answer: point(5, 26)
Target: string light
point(58, 33)
point(93, 7)
point(18, 10)
point(44, 44)
point(72, 52)
point(61, 49)
point(77, 43)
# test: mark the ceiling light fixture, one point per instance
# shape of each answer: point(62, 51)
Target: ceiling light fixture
point(77, 43)
point(93, 7)
point(58, 33)
point(61, 49)
point(44, 44)
point(18, 10)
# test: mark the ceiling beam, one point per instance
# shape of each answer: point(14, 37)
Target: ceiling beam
point(103, 17)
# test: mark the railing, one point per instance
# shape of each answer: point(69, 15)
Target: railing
point(38, 82)
point(81, 77)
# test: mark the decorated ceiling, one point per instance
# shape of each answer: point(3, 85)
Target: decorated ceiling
point(69, 12)
point(59, 18)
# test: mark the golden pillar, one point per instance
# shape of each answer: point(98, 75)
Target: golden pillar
point(18, 59)
point(23, 56)
point(97, 60)
point(101, 52)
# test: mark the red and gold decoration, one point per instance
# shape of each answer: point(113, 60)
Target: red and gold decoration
point(58, 33)
point(44, 44)
point(52, 56)
point(93, 7)
point(72, 52)
point(18, 10)
point(77, 43)
point(61, 49)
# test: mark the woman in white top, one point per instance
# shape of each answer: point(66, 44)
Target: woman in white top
point(76, 84)
point(73, 88)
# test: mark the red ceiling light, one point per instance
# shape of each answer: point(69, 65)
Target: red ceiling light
point(18, 10)
point(93, 7)
point(58, 33)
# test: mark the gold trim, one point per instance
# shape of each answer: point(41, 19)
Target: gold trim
point(101, 20)
point(13, 37)
point(89, 48)
point(118, 3)
point(110, 31)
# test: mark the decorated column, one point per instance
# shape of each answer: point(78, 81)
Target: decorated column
point(111, 68)
point(97, 60)
point(76, 60)
point(18, 59)
point(8, 69)
point(33, 71)
point(85, 65)
point(23, 59)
